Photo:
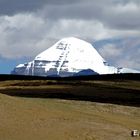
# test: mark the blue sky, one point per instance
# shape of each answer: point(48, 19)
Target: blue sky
point(31, 26)
point(7, 65)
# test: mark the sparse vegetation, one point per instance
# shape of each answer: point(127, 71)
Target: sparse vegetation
point(54, 119)
point(66, 110)
point(121, 92)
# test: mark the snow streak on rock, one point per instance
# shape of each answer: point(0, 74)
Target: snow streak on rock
point(68, 57)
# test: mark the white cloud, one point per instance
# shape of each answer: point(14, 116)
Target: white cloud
point(129, 63)
point(129, 7)
point(28, 34)
point(32, 31)
point(123, 52)
point(110, 51)
point(80, 28)
point(19, 35)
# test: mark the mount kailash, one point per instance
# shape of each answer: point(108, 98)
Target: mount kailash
point(69, 57)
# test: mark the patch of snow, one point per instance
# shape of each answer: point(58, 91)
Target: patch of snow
point(66, 58)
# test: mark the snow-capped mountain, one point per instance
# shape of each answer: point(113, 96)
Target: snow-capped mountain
point(68, 57)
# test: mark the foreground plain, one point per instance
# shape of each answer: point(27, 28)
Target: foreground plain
point(54, 117)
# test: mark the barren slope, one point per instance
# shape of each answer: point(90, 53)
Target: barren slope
point(58, 119)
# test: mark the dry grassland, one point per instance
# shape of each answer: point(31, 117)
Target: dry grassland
point(23, 118)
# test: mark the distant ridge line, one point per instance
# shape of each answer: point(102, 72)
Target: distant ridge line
point(106, 77)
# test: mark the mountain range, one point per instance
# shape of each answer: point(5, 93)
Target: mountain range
point(69, 57)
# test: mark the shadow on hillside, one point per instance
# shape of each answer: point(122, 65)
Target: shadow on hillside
point(93, 93)
point(68, 96)
point(125, 76)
